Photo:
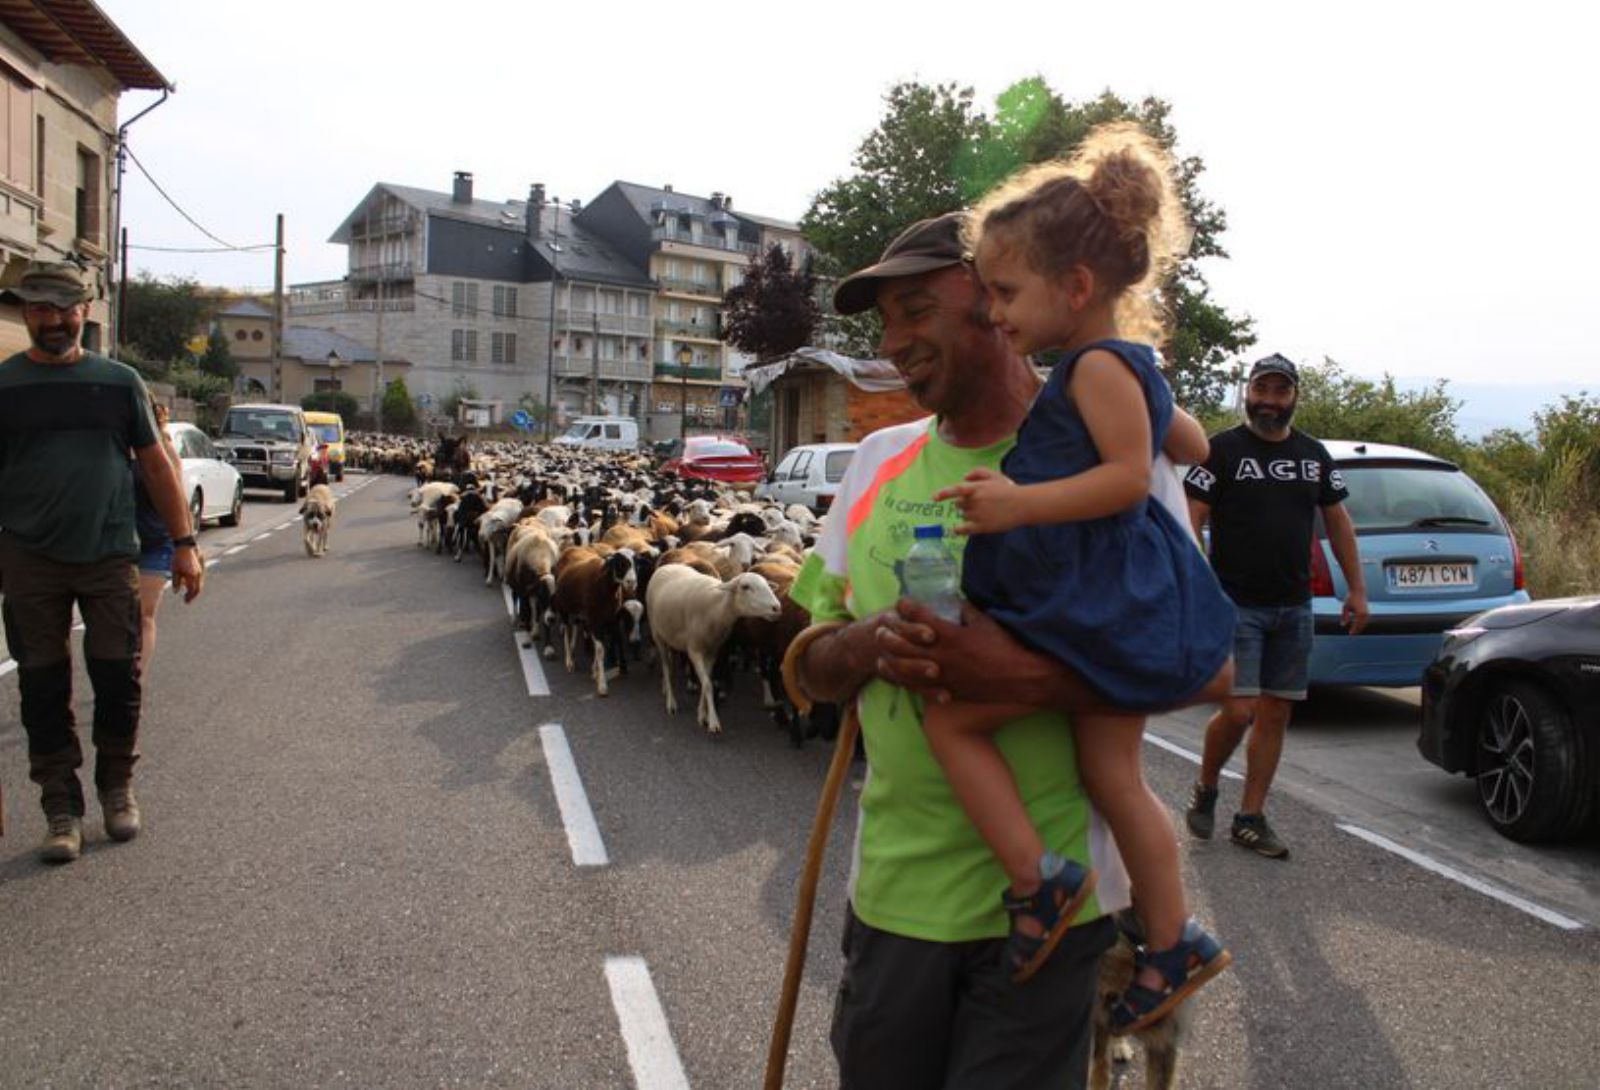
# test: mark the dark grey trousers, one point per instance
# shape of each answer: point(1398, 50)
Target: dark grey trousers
point(915, 1015)
point(39, 594)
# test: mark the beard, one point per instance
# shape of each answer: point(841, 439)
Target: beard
point(1267, 418)
point(54, 340)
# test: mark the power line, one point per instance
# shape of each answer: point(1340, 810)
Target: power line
point(193, 222)
point(204, 249)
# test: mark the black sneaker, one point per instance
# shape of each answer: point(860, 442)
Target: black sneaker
point(1252, 831)
point(1202, 812)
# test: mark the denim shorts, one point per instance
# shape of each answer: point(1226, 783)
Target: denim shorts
point(1272, 651)
point(157, 559)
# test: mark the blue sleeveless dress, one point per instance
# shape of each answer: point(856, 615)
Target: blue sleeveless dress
point(1128, 601)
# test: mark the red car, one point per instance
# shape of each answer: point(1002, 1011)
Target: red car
point(717, 458)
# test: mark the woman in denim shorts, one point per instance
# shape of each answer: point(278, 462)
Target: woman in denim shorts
point(155, 548)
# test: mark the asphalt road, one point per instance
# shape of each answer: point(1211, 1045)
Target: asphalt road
point(356, 871)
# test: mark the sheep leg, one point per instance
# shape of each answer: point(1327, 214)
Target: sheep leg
point(599, 665)
point(568, 637)
point(664, 654)
point(488, 579)
point(708, 703)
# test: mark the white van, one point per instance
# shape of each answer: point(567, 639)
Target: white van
point(602, 433)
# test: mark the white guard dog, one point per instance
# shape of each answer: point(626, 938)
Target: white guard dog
point(317, 513)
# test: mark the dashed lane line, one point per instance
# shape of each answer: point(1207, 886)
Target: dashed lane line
point(532, 667)
point(583, 834)
point(262, 537)
point(235, 550)
point(1478, 885)
point(651, 1053)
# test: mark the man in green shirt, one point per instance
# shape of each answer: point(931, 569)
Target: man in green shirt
point(926, 1003)
point(72, 425)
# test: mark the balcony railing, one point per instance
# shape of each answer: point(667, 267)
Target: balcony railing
point(349, 306)
point(706, 289)
point(703, 374)
point(399, 223)
point(583, 321)
point(706, 239)
point(393, 270)
point(610, 370)
point(694, 331)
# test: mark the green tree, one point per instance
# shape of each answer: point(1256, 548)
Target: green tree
point(773, 310)
point(1334, 404)
point(933, 152)
point(398, 412)
point(218, 359)
point(333, 401)
point(162, 315)
point(463, 391)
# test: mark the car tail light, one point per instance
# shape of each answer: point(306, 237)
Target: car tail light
point(1518, 578)
point(1321, 576)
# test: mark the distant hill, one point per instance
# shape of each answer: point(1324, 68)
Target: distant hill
point(1487, 406)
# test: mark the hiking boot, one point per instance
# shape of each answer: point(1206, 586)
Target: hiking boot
point(1252, 831)
point(121, 811)
point(63, 840)
point(1202, 812)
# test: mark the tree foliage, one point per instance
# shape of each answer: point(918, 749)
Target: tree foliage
point(773, 310)
point(399, 413)
point(218, 358)
point(332, 401)
point(161, 316)
point(1335, 404)
point(933, 151)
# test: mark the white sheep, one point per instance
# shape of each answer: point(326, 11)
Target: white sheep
point(694, 613)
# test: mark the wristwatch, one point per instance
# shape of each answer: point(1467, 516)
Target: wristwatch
point(187, 541)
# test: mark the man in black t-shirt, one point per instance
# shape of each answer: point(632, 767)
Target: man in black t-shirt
point(1260, 490)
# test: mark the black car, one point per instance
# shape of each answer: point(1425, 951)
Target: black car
point(1513, 700)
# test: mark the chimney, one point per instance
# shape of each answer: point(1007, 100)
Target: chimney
point(716, 200)
point(727, 202)
point(576, 206)
point(462, 192)
point(535, 215)
point(667, 188)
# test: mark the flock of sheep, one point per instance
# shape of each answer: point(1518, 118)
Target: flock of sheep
point(618, 560)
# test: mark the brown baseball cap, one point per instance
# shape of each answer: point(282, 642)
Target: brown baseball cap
point(924, 246)
point(59, 283)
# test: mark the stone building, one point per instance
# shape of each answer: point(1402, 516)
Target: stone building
point(63, 67)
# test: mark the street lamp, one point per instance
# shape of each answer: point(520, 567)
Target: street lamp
point(333, 363)
point(685, 357)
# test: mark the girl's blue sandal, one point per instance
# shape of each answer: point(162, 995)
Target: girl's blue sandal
point(1064, 887)
point(1196, 958)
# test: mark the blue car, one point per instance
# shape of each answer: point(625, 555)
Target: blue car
point(1434, 550)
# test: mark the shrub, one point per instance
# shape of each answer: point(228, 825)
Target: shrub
point(332, 401)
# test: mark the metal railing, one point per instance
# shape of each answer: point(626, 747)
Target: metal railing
point(610, 370)
point(667, 327)
point(705, 239)
point(673, 370)
point(393, 270)
point(350, 306)
point(690, 287)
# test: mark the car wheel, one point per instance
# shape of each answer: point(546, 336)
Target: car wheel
point(291, 491)
point(1527, 764)
point(196, 506)
point(236, 512)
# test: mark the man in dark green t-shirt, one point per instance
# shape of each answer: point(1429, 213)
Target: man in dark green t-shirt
point(69, 421)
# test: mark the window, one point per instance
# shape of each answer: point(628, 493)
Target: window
point(639, 306)
point(611, 302)
point(511, 346)
point(502, 348)
point(472, 300)
point(802, 466)
point(613, 431)
point(458, 345)
point(38, 161)
point(240, 335)
point(458, 299)
point(16, 131)
point(505, 301)
point(496, 345)
point(88, 196)
point(472, 345)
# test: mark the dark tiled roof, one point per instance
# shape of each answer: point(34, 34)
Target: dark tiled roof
point(313, 345)
point(245, 308)
point(78, 32)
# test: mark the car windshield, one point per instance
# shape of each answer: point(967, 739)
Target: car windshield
point(260, 425)
point(1416, 498)
point(717, 448)
point(578, 431)
point(326, 433)
point(838, 462)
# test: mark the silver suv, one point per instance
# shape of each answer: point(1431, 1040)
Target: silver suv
point(270, 446)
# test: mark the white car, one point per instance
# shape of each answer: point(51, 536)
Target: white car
point(809, 475)
point(214, 488)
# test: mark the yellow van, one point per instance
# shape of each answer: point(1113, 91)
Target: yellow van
point(329, 428)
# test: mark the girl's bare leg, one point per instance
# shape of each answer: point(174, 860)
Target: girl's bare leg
point(1109, 751)
point(150, 588)
point(959, 735)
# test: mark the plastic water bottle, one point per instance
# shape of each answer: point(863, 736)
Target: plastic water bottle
point(929, 574)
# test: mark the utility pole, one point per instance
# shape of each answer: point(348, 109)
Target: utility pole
point(277, 313)
point(550, 338)
point(594, 364)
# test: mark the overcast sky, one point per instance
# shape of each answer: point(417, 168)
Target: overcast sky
point(1410, 186)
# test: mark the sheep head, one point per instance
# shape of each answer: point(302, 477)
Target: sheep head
point(753, 597)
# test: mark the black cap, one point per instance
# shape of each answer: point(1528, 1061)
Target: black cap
point(923, 247)
point(1276, 365)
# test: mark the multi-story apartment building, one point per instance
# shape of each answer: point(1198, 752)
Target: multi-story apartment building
point(63, 67)
point(611, 307)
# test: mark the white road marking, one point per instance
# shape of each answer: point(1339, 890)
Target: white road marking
point(262, 537)
point(651, 1053)
point(7, 666)
point(1539, 912)
point(532, 667)
point(1188, 755)
point(284, 525)
point(583, 835)
point(235, 549)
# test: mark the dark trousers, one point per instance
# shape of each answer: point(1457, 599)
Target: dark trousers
point(39, 594)
point(915, 1015)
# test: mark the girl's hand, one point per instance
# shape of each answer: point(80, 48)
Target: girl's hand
point(990, 502)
